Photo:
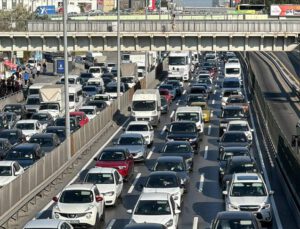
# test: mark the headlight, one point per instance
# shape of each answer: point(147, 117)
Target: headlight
point(109, 193)
point(169, 223)
point(56, 215)
point(193, 140)
point(153, 112)
point(223, 124)
point(133, 113)
point(232, 206)
point(175, 196)
point(56, 208)
point(266, 206)
point(122, 167)
point(88, 215)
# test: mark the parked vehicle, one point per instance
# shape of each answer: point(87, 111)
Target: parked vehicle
point(9, 170)
point(47, 141)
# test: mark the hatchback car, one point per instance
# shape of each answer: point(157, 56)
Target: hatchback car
point(45, 119)
point(47, 224)
point(234, 138)
point(141, 127)
point(9, 170)
point(241, 125)
point(14, 136)
point(118, 158)
point(47, 141)
point(81, 117)
point(19, 109)
point(29, 127)
point(156, 208)
point(225, 153)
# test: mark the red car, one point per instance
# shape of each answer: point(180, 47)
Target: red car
point(118, 158)
point(81, 117)
point(166, 93)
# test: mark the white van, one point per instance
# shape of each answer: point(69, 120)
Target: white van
point(96, 71)
point(75, 97)
point(35, 88)
point(146, 105)
point(233, 70)
point(191, 114)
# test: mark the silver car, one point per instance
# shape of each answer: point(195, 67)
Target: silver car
point(136, 145)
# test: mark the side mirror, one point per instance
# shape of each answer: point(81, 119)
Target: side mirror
point(55, 199)
point(129, 108)
point(95, 159)
point(17, 173)
point(129, 211)
point(225, 193)
point(271, 192)
point(141, 186)
point(177, 211)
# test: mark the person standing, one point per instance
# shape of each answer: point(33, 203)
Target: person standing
point(34, 72)
point(38, 70)
point(44, 67)
point(26, 77)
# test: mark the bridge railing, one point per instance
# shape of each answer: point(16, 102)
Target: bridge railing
point(217, 26)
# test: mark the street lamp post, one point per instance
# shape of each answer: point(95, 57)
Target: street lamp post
point(65, 6)
point(119, 57)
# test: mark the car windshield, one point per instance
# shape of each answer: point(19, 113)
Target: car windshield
point(86, 75)
point(143, 105)
point(40, 117)
point(10, 108)
point(60, 122)
point(162, 181)
point(20, 154)
point(241, 168)
point(192, 99)
point(153, 207)
point(183, 127)
point(112, 156)
point(25, 126)
point(33, 101)
point(248, 189)
point(232, 70)
point(137, 127)
point(44, 142)
point(233, 113)
point(49, 107)
point(198, 90)
point(234, 137)
point(71, 97)
point(11, 136)
point(177, 148)
point(5, 171)
point(131, 141)
point(187, 116)
point(99, 178)
point(169, 166)
point(230, 154)
point(236, 100)
point(231, 84)
point(177, 60)
point(59, 132)
point(235, 223)
point(229, 93)
point(89, 89)
point(111, 89)
point(76, 197)
point(94, 70)
point(167, 86)
point(238, 127)
point(87, 111)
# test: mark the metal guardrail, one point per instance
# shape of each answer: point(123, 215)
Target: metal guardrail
point(218, 26)
point(26, 187)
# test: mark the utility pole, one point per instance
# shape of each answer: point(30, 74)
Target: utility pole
point(119, 58)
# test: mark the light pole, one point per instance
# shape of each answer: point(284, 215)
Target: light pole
point(119, 57)
point(68, 139)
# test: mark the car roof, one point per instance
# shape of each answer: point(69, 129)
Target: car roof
point(26, 146)
point(55, 128)
point(6, 163)
point(235, 215)
point(238, 122)
point(11, 130)
point(114, 148)
point(75, 113)
point(183, 121)
point(154, 196)
point(43, 135)
point(162, 173)
point(234, 132)
point(234, 148)
point(233, 108)
point(241, 159)
point(84, 186)
point(246, 177)
point(231, 79)
point(189, 109)
point(138, 123)
point(27, 121)
point(43, 223)
point(170, 158)
point(237, 96)
point(101, 170)
point(177, 143)
point(88, 107)
point(131, 135)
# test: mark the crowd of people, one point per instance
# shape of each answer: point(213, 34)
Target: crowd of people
point(21, 78)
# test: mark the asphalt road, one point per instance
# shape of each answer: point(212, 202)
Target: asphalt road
point(203, 199)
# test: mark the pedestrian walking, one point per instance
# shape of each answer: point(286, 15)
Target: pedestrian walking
point(38, 70)
point(44, 67)
point(26, 77)
point(33, 72)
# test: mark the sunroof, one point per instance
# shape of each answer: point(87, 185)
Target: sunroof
point(247, 177)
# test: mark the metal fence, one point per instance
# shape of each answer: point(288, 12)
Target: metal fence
point(218, 26)
point(20, 191)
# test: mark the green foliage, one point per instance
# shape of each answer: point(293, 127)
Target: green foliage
point(19, 13)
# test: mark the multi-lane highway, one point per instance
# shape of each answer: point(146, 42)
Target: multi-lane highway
point(203, 199)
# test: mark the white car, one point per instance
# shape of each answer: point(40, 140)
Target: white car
point(29, 127)
point(141, 127)
point(108, 181)
point(241, 125)
point(248, 192)
point(9, 170)
point(47, 224)
point(90, 111)
point(166, 182)
point(80, 204)
point(225, 93)
point(103, 97)
point(156, 208)
point(110, 66)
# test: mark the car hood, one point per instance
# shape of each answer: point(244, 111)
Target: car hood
point(163, 190)
point(162, 219)
point(110, 164)
point(29, 132)
point(227, 144)
point(180, 135)
point(184, 155)
point(103, 188)
point(73, 208)
point(133, 148)
point(248, 200)
point(4, 180)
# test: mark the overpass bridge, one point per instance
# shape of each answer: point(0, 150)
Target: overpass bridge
point(155, 35)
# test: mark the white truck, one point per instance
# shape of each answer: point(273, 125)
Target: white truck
point(137, 57)
point(146, 105)
point(53, 100)
point(129, 74)
point(179, 65)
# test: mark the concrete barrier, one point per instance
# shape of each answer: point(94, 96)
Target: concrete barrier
point(17, 97)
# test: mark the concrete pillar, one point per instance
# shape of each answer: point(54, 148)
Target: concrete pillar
point(90, 43)
point(75, 47)
point(182, 42)
point(29, 47)
point(151, 43)
point(214, 43)
point(261, 43)
point(199, 46)
point(167, 43)
point(246, 43)
point(60, 46)
point(13, 42)
point(136, 42)
point(44, 43)
point(274, 43)
point(104, 42)
point(230, 42)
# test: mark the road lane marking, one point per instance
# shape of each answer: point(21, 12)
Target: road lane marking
point(205, 152)
point(85, 166)
point(151, 152)
point(213, 102)
point(134, 183)
point(209, 130)
point(201, 182)
point(184, 92)
point(163, 130)
point(171, 116)
point(211, 114)
point(195, 223)
point(177, 104)
point(111, 224)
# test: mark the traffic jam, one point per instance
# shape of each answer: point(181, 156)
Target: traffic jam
point(190, 139)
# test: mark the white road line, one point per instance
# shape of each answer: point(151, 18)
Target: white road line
point(212, 114)
point(195, 223)
point(184, 92)
point(86, 165)
point(205, 152)
point(213, 102)
point(171, 116)
point(163, 130)
point(178, 102)
point(209, 130)
point(201, 182)
point(134, 183)
point(151, 152)
point(111, 224)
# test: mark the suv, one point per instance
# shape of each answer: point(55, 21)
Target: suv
point(248, 192)
point(80, 204)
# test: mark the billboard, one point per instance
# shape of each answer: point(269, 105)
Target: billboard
point(285, 10)
point(60, 66)
point(151, 5)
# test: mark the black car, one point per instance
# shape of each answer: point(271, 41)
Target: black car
point(108, 75)
point(74, 124)
point(4, 147)
point(107, 80)
point(101, 105)
point(231, 83)
point(181, 149)
point(84, 77)
point(45, 119)
point(184, 131)
point(234, 138)
point(164, 108)
point(235, 219)
point(26, 154)
point(225, 153)
point(47, 141)
point(145, 226)
point(60, 131)
point(237, 164)
point(19, 109)
point(177, 85)
point(198, 89)
point(230, 113)
point(174, 164)
point(14, 136)
point(12, 119)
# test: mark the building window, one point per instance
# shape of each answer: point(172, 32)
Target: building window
point(4, 4)
point(14, 4)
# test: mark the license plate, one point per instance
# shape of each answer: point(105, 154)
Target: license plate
point(73, 221)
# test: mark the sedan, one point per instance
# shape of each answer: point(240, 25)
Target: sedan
point(234, 138)
point(60, 131)
point(47, 141)
point(240, 125)
point(118, 158)
point(136, 145)
point(225, 153)
point(14, 136)
point(141, 127)
point(45, 119)
point(177, 85)
point(47, 224)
